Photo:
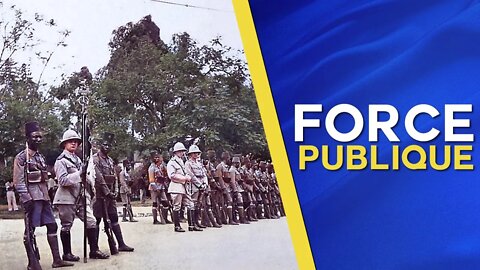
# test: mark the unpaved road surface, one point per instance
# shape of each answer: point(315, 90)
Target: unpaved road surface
point(261, 245)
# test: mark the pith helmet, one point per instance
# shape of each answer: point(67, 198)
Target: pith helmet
point(179, 147)
point(193, 149)
point(70, 135)
point(236, 159)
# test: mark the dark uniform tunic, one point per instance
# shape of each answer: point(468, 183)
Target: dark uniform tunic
point(158, 183)
point(36, 189)
point(105, 186)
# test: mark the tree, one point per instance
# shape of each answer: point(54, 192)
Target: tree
point(21, 99)
point(152, 94)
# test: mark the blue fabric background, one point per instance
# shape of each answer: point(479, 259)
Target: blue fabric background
point(401, 53)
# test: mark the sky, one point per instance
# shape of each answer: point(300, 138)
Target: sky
point(91, 23)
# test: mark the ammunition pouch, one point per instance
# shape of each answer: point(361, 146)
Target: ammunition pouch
point(160, 179)
point(226, 179)
point(36, 176)
point(109, 179)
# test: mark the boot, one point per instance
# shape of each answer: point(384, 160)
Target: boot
point(118, 234)
point(212, 219)
point(95, 253)
point(267, 211)
point(222, 215)
point(191, 224)
point(181, 215)
point(196, 219)
point(234, 215)
point(33, 263)
point(241, 212)
point(259, 211)
point(124, 218)
point(162, 218)
point(155, 214)
point(282, 210)
point(273, 209)
point(176, 221)
point(67, 247)
point(130, 215)
point(230, 216)
point(205, 219)
point(251, 213)
point(165, 215)
point(57, 261)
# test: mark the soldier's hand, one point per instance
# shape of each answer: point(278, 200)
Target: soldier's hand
point(111, 195)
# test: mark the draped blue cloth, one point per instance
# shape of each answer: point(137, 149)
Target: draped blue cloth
point(401, 53)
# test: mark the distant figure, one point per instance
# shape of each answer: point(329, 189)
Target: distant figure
point(12, 202)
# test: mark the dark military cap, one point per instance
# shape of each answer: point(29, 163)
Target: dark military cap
point(108, 137)
point(31, 127)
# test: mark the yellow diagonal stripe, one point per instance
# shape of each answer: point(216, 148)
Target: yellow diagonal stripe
point(274, 134)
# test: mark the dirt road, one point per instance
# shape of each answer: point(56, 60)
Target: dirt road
point(261, 245)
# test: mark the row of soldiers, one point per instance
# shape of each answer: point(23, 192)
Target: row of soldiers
point(92, 206)
point(213, 193)
point(232, 191)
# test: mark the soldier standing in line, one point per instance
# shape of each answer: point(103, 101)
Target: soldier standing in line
point(271, 192)
point(236, 183)
point(29, 178)
point(126, 191)
point(222, 173)
point(249, 183)
point(275, 192)
point(105, 180)
point(216, 192)
point(259, 190)
point(68, 198)
point(198, 185)
point(266, 198)
point(179, 177)
point(209, 219)
point(157, 177)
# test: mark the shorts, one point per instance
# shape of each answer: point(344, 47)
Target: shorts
point(41, 214)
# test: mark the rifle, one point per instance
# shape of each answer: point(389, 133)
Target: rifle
point(84, 90)
point(129, 207)
point(29, 240)
point(108, 228)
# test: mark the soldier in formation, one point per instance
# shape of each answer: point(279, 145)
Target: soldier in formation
point(179, 179)
point(157, 177)
point(69, 197)
point(29, 179)
point(126, 183)
point(106, 192)
point(235, 190)
point(197, 186)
